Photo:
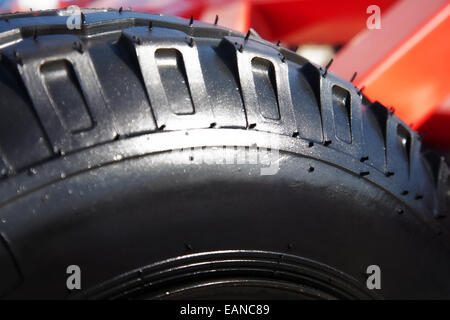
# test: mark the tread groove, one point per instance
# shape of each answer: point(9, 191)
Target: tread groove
point(63, 88)
point(266, 88)
point(342, 113)
point(174, 80)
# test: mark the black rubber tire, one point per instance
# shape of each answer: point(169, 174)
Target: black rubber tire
point(111, 139)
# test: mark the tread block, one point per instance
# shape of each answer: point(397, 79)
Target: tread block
point(306, 107)
point(222, 84)
point(127, 98)
point(423, 188)
point(262, 77)
point(375, 135)
point(401, 148)
point(434, 164)
point(404, 139)
point(3, 168)
point(441, 177)
point(381, 114)
point(53, 114)
point(340, 109)
point(398, 149)
point(312, 76)
point(153, 65)
point(19, 126)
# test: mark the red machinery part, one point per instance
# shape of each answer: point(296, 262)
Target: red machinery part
point(406, 63)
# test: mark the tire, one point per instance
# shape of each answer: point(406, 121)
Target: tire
point(119, 152)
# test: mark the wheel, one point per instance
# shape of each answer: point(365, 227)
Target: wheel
point(168, 158)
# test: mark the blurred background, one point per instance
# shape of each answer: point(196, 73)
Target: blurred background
point(399, 49)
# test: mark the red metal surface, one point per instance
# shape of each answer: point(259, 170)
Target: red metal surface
point(324, 21)
point(405, 64)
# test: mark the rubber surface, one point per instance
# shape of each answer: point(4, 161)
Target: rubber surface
point(94, 128)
